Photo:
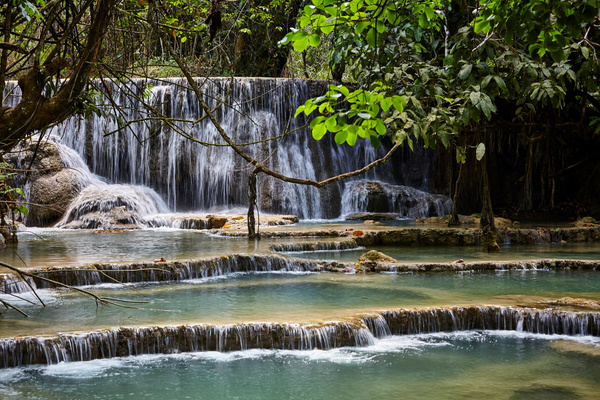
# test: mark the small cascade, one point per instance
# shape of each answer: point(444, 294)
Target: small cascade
point(379, 197)
point(443, 319)
point(121, 342)
point(104, 206)
point(315, 246)
point(205, 268)
point(155, 272)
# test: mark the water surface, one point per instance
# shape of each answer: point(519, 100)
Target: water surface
point(291, 297)
point(471, 365)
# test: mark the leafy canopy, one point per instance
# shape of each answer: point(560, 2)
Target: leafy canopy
point(432, 69)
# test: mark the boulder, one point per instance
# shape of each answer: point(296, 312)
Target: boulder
point(376, 256)
point(585, 222)
point(216, 221)
point(50, 196)
point(51, 185)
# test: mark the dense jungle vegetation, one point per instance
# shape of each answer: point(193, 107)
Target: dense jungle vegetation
point(505, 93)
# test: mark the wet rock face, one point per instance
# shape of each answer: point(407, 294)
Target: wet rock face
point(50, 187)
point(116, 218)
point(102, 206)
point(379, 198)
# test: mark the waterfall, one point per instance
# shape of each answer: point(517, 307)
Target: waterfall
point(104, 206)
point(123, 341)
point(192, 176)
point(182, 158)
point(154, 271)
point(442, 319)
point(316, 246)
point(380, 197)
point(86, 275)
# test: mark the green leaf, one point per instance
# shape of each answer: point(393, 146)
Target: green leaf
point(386, 103)
point(314, 40)
point(500, 83)
point(423, 21)
point(308, 10)
point(380, 128)
point(465, 70)
point(486, 81)
point(391, 16)
point(343, 90)
point(316, 121)
point(398, 102)
point(352, 130)
point(341, 136)
point(585, 52)
point(461, 155)
point(486, 105)
point(301, 44)
point(480, 151)
point(327, 29)
point(331, 123)
point(429, 12)
point(319, 131)
point(445, 139)
point(372, 37)
point(480, 24)
point(361, 26)
point(364, 115)
point(374, 141)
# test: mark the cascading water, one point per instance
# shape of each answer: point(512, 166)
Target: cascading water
point(380, 197)
point(119, 342)
point(164, 153)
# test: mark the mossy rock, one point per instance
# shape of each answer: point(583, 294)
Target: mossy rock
point(586, 222)
point(376, 256)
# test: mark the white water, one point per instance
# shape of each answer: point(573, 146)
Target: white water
point(199, 176)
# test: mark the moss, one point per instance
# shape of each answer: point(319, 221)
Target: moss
point(488, 241)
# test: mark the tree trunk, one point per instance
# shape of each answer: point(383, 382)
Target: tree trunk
point(252, 231)
point(489, 234)
point(454, 219)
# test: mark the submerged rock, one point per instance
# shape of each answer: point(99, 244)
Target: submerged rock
point(574, 303)
point(372, 217)
point(575, 347)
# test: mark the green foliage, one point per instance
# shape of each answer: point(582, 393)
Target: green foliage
point(450, 66)
point(10, 197)
point(28, 9)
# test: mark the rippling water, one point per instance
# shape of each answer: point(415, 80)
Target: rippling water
point(472, 365)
